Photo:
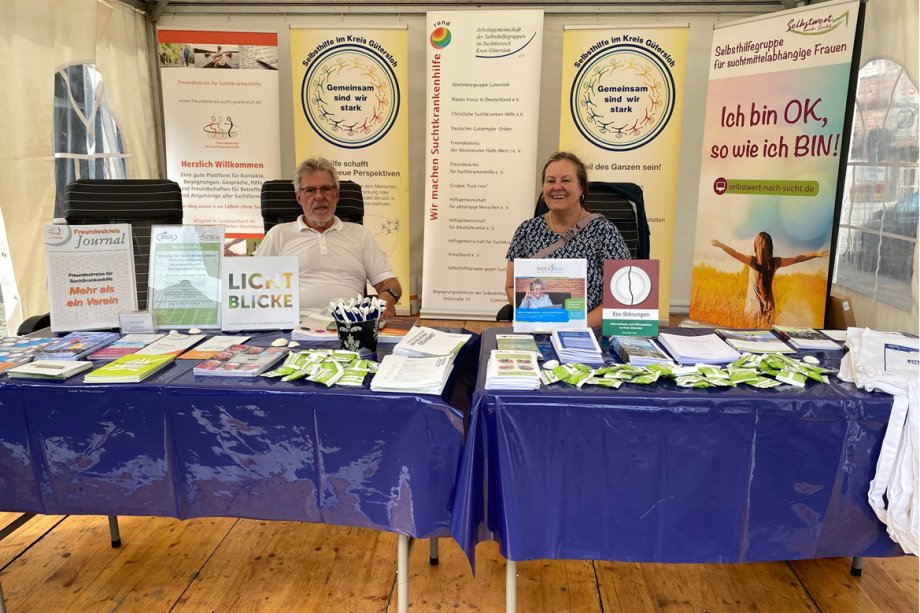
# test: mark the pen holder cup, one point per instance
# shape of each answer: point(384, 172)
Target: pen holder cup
point(359, 336)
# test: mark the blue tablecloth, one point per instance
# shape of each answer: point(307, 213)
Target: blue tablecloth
point(664, 474)
point(183, 446)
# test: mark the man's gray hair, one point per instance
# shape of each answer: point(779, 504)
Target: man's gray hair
point(311, 165)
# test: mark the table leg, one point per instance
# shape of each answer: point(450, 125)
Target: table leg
point(856, 567)
point(433, 551)
point(510, 586)
point(113, 531)
point(402, 574)
point(2, 604)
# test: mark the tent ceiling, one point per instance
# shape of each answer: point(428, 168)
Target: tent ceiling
point(155, 8)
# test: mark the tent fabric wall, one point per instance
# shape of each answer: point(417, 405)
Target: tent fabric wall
point(37, 38)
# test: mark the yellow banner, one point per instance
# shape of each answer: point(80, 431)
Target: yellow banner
point(351, 106)
point(622, 100)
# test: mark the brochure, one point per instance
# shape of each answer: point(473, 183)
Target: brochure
point(260, 293)
point(638, 351)
point(129, 369)
point(806, 338)
point(76, 345)
point(90, 275)
point(702, 349)
point(549, 295)
point(630, 306)
point(126, 345)
point(517, 342)
point(213, 346)
point(754, 341)
point(16, 350)
point(173, 344)
point(422, 341)
point(48, 369)
point(577, 346)
point(185, 276)
point(512, 370)
point(399, 373)
point(241, 361)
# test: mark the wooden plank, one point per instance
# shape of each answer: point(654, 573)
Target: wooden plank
point(887, 585)
point(290, 566)
point(768, 586)
point(75, 568)
point(24, 536)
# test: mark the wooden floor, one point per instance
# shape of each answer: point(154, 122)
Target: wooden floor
point(55, 563)
point(67, 564)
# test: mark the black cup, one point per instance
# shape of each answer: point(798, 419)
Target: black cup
point(359, 336)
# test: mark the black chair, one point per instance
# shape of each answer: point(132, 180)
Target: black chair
point(279, 203)
point(141, 203)
point(621, 203)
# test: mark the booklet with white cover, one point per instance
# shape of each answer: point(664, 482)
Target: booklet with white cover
point(549, 295)
point(422, 341)
point(49, 369)
point(398, 373)
point(702, 349)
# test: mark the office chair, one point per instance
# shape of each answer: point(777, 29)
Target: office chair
point(621, 203)
point(279, 204)
point(142, 203)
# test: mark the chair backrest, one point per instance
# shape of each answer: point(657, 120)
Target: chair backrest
point(279, 203)
point(622, 204)
point(142, 203)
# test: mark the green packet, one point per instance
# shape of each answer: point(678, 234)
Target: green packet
point(791, 377)
point(328, 374)
point(578, 378)
point(711, 372)
point(548, 377)
point(691, 381)
point(762, 382)
point(352, 378)
point(741, 375)
point(602, 382)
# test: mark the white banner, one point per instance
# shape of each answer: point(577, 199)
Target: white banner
point(483, 83)
point(220, 113)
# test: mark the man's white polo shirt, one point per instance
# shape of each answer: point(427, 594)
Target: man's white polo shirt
point(333, 264)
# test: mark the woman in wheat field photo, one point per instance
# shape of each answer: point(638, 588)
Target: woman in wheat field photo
point(760, 304)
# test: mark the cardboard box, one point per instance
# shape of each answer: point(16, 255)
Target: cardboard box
point(839, 314)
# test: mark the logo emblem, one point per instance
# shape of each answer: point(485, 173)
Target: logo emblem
point(440, 37)
point(622, 97)
point(350, 96)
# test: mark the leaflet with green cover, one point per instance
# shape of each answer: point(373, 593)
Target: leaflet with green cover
point(131, 368)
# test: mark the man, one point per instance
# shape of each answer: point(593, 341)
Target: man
point(336, 258)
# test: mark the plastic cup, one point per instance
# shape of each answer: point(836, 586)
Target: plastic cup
point(359, 336)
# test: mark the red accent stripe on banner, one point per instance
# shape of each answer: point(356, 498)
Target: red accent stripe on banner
point(265, 39)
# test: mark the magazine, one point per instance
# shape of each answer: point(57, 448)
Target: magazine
point(398, 373)
point(806, 338)
point(16, 350)
point(517, 342)
point(212, 347)
point(241, 361)
point(754, 341)
point(702, 349)
point(127, 344)
point(638, 351)
point(76, 345)
point(512, 370)
point(49, 369)
point(130, 368)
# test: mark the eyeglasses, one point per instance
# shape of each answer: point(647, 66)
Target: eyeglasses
point(311, 192)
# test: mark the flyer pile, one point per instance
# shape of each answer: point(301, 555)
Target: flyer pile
point(326, 366)
point(757, 370)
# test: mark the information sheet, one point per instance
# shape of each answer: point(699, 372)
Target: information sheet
point(185, 276)
point(549, 295)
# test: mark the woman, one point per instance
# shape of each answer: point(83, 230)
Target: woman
point(760, 304)
point(535, 298)
point(565, 184)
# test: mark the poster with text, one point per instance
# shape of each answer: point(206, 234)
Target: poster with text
point(90, 275)
point(483, 90)
point(260, 293)
point(350, 90)
point(622, 101)
point(772, 147)
point(184, 283)
point(220, 113)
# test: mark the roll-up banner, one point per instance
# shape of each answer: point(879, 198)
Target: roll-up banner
point(622, 101)
point(351, 106)
point(220, 112)
point(772, 147)
point(483, 90)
